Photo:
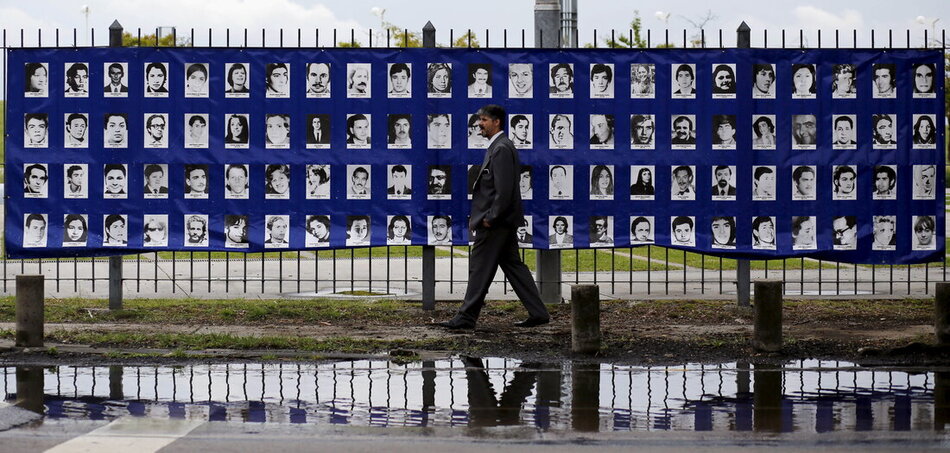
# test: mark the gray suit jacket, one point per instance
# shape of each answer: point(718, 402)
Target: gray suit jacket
point(495, 195)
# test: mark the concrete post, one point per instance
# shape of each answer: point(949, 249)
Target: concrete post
point(942, 313)
point(29, 388)
point(743, 270)
point(585, 397)
point(428, 251)
point(115, 262)
point(585, 319)
point(767, 316)
point(767, 398)
point(115, 383)
point(941, 400)
point(547, 23)
point(29, 311)
point(548, 264)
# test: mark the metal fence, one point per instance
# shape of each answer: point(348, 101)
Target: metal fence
point(408, 272)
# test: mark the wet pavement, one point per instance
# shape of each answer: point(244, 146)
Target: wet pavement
point(490, 400)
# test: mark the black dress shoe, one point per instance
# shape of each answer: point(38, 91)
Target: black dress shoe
point(532, 322)
point(456, 324)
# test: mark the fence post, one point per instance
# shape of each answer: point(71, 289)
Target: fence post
point(115, 262)
point(767, 316)
point(547, 29)
point(29, 311)
point(743, 269)
point(585, 319)
point(428, 251)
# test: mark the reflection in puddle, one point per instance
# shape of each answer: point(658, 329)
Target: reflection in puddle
point(806, 396)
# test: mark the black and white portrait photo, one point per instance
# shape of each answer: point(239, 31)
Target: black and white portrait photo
point(236, 181)
point(479, 80)
point(439, 131)
point(885, 130)
point(601, 182)
point(601, 231)
point(196, 230)
point(399, 230)
point(156, 80)
point(524, 233)
point(115, 130)
point(525, 183)
point(35, 180)
point(115, 231)
point(642, 185)
point(439, 182)
point(763, 233)
point(277, 80)
point(238, 80)
point(358, 182)
point(75, 230)
point(925, 232)
point(804, 131)
point(276, 231)
point(602, 81)
point(358, 131)
point(440, 230)
point(520, 81)
point(561, 182)
point(724, 81)
point(196, 130)
point(844, 132)
point(318, 80)
point(684, 81)
point(77, 80)
point(844, 179)
point(804, 233)
point(196, 181)
point(156, 181)
point(196, 80)
point(76, 131)
point(925, 182)
point(884, 84)
point(156, 130)
point(683, 231)
point(642, 81)
point(358, 230)
point(155, 230)
point(885, 182)
point(277, 131)
point(561, 81)
point(116, 83)
point(318, 131)
point(399, 84)
point(115, 181)
point(763, 182)
point(358, 80)
point(36, 76)
point(804, 180)
point(885, 232)
point(399, 183)
point(34, 230)
point(277, 182)
point(602, 131)
point(723, 232)
point(683, 186)
point(642, 131)
point(763, 131)
point(35, 130)
point(561, 233)
point(236, 231)
point(724, 131)
point(561, 130)
point(763, 81)
point(475, 138)
point(641, 230)
point(399, 131)
point(237, 130)
point(724, 183)
point(845, 229)
point(925, 131)
point(804, 81)
point(318, 231)
point(684, 132)
point(844, 81)
point(318, 182)
point(439, 80)
point(75, 180)
point(521, 131)
point(924, 86)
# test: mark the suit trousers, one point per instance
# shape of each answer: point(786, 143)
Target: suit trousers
point(498, 246)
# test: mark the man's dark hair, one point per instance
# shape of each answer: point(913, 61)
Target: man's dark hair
point(448, 220)
point(192, 167)
point(72, 169)
point(74, 116)
point(29, 170)
point(891, 174)
point(148, 122)
point(360, 170)
point(399, 169)
point(722, 167)
point(113, 218)
point(74, 69)
point(30, 218)
point(797, 222)
point(682, 220)
point(493, 111)
point(153, 168)
point(350, 220)
point(36, 116)
point(844, 118)
point(399, 67)
point(636, 221)
point(351, 121)
point(842, 169)
point(105, 119)
point(117, 66)
point(801, 170)
point(682, 118)
point(158, 66)
point(325, 220)
point(759, 171)
point(598, 68)
point(517, 119)
point(684, 68)
point(196, 118)
point(686, 168)
point(227, 171)
point(570, 72)
point(110, 167)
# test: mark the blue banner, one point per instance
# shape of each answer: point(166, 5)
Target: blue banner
point(744, 153)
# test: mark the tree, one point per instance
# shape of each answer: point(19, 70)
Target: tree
point(128, 40)
point(624, 40)
point(463, 41)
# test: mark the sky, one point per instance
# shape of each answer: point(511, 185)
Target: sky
point(494, 15)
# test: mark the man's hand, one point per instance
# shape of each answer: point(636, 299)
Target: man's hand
point(486, 224)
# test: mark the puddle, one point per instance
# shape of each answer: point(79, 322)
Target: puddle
point(805, 396)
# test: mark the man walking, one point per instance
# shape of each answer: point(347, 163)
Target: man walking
point(495, 217)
